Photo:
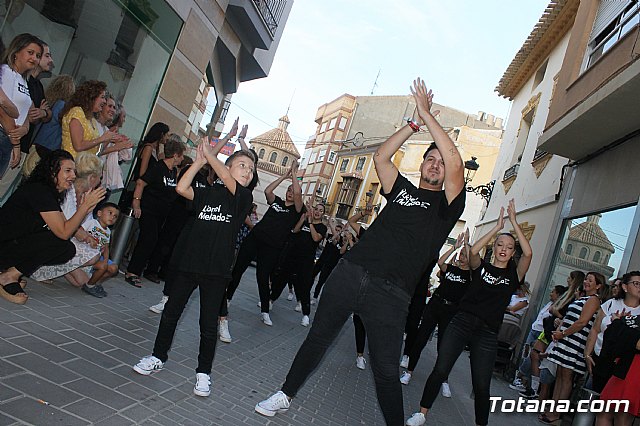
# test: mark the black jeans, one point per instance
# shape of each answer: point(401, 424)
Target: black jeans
point(267, 259)
point(32, 251)
point(382, 306)
point(150, 227)
point(436, 313)
point(465, 329)
point(211, 293)
point(416, 309)
point(361, 333)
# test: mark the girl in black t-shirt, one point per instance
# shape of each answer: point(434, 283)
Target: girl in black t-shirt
point(443, 305)
point(266, 240)
point(479, 316)
point(204, 263)
point(298, 264)
point(33, 230)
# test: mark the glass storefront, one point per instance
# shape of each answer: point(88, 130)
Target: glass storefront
point(595, 242)
point(125, 43)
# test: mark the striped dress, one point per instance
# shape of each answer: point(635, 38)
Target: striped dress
point(569, 351)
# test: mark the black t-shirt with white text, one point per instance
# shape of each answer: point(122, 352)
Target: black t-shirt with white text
point(303, 245)
point(20, 215)
point(453, 284)
point(490, 292)
point(275, 227)
point(407, 234)
point(207, 243)
point(160, 191)
point(331, 251)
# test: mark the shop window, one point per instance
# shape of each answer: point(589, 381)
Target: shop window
point(605, 234)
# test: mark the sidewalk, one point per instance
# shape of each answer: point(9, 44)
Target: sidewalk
point(66, 359)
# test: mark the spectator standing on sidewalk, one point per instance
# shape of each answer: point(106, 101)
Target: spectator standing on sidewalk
point(219, 211)
point(377, 278)
point(40, 112)
point(479, 317)
point(58, 93)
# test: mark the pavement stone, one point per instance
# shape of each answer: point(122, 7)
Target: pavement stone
point(75, 353)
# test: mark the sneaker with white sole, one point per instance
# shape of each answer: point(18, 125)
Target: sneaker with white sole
point(223, 331)
point(266, 319)
point(290, 297)
point(203, 385)
point(298, 307)
point(405, 378)
point(361, 363)
point(418, 419)
point(529, 394)
point(446, 390)
point(160, 306)
point(305, 321)
point(518, 385)
point(404, 362)
point(277, 403)
point(147, 365)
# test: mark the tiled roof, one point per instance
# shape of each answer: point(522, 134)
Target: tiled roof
point(278, 138)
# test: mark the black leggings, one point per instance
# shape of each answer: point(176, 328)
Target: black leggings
point(32, 251)
point(437, 313)
point(325, 271)
point(361, 334)
point(150, 228)
point(416, 309)
point(299, 272)
point(267, 259)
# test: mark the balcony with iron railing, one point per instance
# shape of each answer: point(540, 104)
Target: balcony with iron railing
point(511, 172)
point(256, 20)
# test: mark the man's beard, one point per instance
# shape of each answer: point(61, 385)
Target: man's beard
point(431, 181)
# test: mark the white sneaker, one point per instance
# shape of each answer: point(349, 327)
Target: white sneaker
point(203, 385)
point(314, 301)
point(223, 331)
point(418, 419)
point(266, 319)
point(518, 385)
point(160, 306)
point(298, 307)
point(147, 365)
point(361, 363)
point(276, 403)
point(290, 296)
point(405, 378)
point(446, 390)
point(404, 362)
point(305, 321)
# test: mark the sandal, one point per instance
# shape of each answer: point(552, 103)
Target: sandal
point(14, 293)
point(134, 280)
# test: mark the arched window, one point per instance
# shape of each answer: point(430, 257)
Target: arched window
point(273, 157)
point(261, 153)
point(569, 248)
point(583, 253)
point(285, 161)
point(596, 256)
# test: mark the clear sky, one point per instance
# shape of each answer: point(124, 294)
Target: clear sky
point(330, 47)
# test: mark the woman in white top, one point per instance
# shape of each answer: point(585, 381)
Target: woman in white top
point(21, 57)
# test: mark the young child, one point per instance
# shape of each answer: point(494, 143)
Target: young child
point(203, 257)
point(99, 228)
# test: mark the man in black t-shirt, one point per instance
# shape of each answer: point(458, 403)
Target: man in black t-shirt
point(377, 277)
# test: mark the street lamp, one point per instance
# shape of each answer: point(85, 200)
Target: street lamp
point(485, 190)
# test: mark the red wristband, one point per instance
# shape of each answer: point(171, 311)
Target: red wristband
point(414, 125)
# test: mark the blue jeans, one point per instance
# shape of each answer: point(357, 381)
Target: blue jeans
point(5, 152)
point(382, 306)
point(464, 329)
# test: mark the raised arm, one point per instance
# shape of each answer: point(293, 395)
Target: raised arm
point(474, 252)
point(453, 166)
point(295, 185)
point(241, 136)
point(527, 253)
point(442, 261)
point(184, 188)
point(268, 191)
point(353, 220)
point(215, 150)
point(218, 167)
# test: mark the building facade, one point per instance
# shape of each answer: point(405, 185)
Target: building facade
point(155, 55)
point(529, 176)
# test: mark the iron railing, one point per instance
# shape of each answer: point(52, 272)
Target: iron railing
point(271, 11)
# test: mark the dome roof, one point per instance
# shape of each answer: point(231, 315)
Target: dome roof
point(278, 138)
point(590, 232)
